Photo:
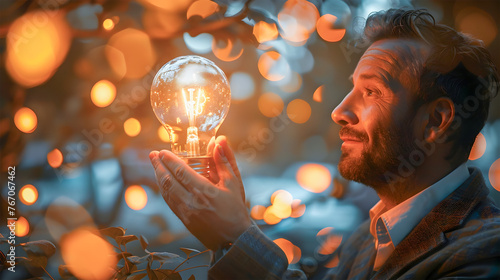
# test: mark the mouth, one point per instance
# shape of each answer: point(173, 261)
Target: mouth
point(350, 140)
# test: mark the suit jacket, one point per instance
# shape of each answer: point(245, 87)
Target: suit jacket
point(459, 238)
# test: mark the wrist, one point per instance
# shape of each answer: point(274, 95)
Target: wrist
point(235, 235)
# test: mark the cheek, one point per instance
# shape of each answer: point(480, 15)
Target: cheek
point(375, 120)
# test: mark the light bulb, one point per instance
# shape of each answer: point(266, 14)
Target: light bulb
point(190, 96)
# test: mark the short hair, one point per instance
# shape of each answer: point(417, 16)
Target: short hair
point(458, 67)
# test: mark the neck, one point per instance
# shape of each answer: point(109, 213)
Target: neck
point(405, 187)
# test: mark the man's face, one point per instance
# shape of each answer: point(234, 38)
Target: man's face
point(377, 115)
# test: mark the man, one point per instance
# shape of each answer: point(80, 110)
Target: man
point(421, 95)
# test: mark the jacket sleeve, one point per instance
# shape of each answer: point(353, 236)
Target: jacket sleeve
point(252, 256)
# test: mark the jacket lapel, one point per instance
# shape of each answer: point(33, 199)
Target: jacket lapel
point(428, 236)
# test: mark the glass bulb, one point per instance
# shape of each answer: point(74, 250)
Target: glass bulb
point(190, 96)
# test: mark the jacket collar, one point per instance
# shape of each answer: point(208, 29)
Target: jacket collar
point(428, 235)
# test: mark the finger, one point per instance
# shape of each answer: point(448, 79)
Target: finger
point(228, 152)
point(182, 173)
point(182, 202)
point(224, 169)
point(212, 173)
point(211, 145)
point(172, 192)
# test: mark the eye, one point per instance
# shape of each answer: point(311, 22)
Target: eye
point(370, 92)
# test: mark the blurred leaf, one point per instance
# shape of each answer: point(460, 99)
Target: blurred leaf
point(38, 261)
point(167, 274)
point(3, 258)
point(192, 277)
point(188, 251)
point(163, 256)
point(151, 274)
point(64, 272)
point(138, 260)
point(122, 273)
point(144, 242)
point(40, 247)
point(38, 253)
point(113, 232)
point(33, 265)
point(123, 255)
point(129, 266)
point(122, 240)
point(137, 276)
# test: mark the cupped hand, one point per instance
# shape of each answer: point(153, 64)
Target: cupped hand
point(213, 210)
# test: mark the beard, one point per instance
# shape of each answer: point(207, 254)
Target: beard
point(380, 158)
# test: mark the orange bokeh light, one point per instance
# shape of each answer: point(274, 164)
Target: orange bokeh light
point(297, 20)
point(136, 197)
point(270, 104)
point(257, 212)
point(318, 94)
point(103, 93)
point(478, 148)
point(78, 250)
point(275, 194)
point(169, 6)
point(494, 175)
point(22, 227)
point(108, 24)
point(228, 52)
point(37, 43)
point(477, 22)
point(314, 177)
point(297, 209)
point(202, 8)
point(122, 53)
point(326, 31)
point(292, 252)
point(269, 216)
point(160, 23)
point(132, 127)
point(163, 134)
point(264, 31)
point(55, 158)
point(273, 66)
point(25, 120)
point(282, 204)
point(324, 231)
point(28, 194)
point(331, 244)
point(298, 111)
point(333, 262)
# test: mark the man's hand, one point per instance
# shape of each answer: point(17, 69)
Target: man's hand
point(212, 210)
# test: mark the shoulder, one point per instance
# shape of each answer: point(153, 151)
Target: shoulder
point(476, 242)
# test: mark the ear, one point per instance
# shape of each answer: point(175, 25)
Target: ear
point(440, 114)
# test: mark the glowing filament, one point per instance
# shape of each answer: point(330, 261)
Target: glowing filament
point(194, 104)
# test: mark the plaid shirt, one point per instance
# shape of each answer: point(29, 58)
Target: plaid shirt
point(460, 237)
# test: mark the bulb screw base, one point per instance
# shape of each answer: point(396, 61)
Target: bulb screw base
point(200, 164)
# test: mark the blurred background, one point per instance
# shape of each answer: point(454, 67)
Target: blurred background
point(76, 121)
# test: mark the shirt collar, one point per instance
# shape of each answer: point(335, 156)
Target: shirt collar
point(401, 219)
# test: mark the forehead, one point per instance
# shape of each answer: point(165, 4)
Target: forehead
point(393, 59)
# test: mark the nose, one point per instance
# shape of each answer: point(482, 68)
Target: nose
point(344, 113)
